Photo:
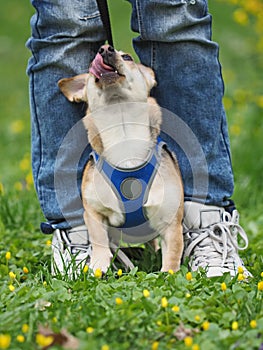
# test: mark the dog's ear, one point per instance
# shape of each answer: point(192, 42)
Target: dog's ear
point(74, 88)
point(148, 75)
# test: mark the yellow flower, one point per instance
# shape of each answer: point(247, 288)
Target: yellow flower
point(24, 164)
point(241, 17)
point(240, 269)
point(171, 272)
point(1, 188)
point(105, 347)
point(11, 288)
point(176, 308)
point(12, 275)
point(260, 285)
point(188, 295)
point(54, 319)
point(146, 293)
point(89, 330)
point(85, 269)
point(29, 180)
point(234, 326)
point(44, 283)
point(118, 301)
point(155, 345)
point(164, 302)
point(253, 324)
point(48, 242)
point(223, 287)
point(18, 186)
point(43, 340)
point(8, 255)
point(5, 341)
point(159, 323)
point(195, 347)
point(261, 274)
point(20, 338)
point(25, 269)
point(205, 325)
point(188, 341)
point(189, 276)
point(119, 273)
point(25, 328)
point(197, 318)
point(98, 273)
point(17, 126)
point(240, 277)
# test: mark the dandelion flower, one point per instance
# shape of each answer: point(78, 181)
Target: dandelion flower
point(197, 318)
point(205, 325)
point(171, 272)
point(240, 277)
point(253, 324)
point(89, 330)
point(85, 269)
point(188, 341)
point(188, 295)
point(43, 340)
point(12, 275)
point(176, 308)
point(105, 347)
point(189, 276)
point(240, 269)
point(20, 338)
point(146, 293)
point(11, 288)
point(48, 243)
point(8, 255)
point(155, 345)
point(119, 272)
point(195, 347)
point(25, 328)
point(98, 273)
point(260, 285)
point(261, 274)
point(25, 269)
point(234, 326)
point(5, 341)
point(164, 302)
point(118, 301)
point(223, 287)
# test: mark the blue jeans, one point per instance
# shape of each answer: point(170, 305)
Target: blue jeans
point(175, 40)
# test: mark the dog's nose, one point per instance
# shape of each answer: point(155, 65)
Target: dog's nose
point(108, 54)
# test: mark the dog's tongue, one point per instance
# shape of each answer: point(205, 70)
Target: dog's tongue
point(98, 67)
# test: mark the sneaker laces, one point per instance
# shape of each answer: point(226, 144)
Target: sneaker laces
point(217, 243)
point(76, 242)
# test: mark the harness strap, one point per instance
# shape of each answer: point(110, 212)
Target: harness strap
point(105, 17)
point(131, 186)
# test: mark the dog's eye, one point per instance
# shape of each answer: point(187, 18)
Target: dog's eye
point(126, 57)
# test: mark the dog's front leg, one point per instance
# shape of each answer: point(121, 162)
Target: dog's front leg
point(172, 246)
point(98, 236)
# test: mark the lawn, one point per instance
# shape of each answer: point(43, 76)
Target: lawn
point(142, 309)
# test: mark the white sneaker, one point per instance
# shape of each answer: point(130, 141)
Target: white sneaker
point(211, 239)
point(71, 251)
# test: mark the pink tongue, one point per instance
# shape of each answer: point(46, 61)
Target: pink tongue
point(98, 67)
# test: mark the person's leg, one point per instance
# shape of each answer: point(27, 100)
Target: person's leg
point(175, 40)
point(66, 35)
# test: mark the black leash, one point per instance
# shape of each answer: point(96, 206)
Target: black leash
point(105, 17)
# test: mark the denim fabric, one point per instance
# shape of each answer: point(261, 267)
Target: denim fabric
point(175, 40)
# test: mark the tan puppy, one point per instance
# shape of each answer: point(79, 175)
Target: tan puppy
point(123, 123)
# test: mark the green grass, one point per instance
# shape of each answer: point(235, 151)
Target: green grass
point(138, 321)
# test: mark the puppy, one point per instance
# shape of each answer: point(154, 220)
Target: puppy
point(123, 123)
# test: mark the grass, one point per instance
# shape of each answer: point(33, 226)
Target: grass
point(143, 309)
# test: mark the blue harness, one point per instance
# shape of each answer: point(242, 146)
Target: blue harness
point(131, 186)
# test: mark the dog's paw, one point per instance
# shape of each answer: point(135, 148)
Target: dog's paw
point(100, 264)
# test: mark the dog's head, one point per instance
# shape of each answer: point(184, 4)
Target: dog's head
point(113, 77)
